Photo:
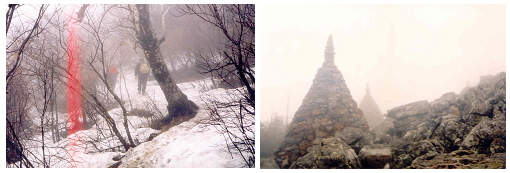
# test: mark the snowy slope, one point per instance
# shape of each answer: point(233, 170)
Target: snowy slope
point(186, 145)
point(189, 144)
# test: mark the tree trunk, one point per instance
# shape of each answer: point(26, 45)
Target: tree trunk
point(56, 116)
point(178, 103)
point(52, 108)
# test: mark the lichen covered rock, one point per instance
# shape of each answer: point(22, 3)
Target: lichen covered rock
point(375, 156)
point(328, 153)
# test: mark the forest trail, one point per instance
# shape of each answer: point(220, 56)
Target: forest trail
point(189, 144)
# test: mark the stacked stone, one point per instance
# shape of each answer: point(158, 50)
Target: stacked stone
point(370, 109)
point(327, 108)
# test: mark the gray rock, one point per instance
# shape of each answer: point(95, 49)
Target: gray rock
point(375, 156)
point(356, 138)
point(117, 157)
point(451, 132)
point(423, 123)
point(483, 134)
point(405, 153)
point(410, 135)
point(443, 103)
point(427, 127)
point(498, 146)
point(152, 136)
point(439, 145)
point(350, 135)
point(385, 126)
point(476, 102)
point(415, 108)
point(326, 154)
point(382, 138)
point(484, 108)
point(63, 134)
point(268, 163)
point(466, 161)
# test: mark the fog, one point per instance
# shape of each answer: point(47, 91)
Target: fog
point(405, 53)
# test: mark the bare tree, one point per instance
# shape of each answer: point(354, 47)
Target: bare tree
point(18, 41)
point(17, 52)
point(233, 113)
point(178, 103)
point(100, 59)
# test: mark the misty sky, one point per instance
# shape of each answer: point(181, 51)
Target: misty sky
point(434, 49)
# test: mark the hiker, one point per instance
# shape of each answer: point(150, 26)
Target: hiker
point(142, 72)
point(112, 77)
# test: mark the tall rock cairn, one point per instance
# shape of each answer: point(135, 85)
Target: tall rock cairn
point(370, 109)
point(326, 109)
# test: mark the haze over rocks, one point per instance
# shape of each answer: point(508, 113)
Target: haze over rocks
point(466, 130)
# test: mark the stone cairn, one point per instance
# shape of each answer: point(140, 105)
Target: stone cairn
point(370, 109)
point(326, 109)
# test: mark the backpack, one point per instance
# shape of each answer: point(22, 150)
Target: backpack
point(144, 68)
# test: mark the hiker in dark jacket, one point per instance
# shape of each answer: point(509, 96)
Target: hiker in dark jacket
point(142, 72)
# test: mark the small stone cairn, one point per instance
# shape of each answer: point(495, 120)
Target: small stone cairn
point(370, 109)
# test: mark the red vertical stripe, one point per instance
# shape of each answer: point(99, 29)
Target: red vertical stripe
point(74, 109)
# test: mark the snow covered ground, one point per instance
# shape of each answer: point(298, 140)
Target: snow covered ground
point(189, 144)
point(186, 145)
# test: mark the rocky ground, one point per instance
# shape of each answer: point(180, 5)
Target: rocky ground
point(466, 130)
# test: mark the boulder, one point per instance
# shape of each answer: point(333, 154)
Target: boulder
point(410, 135)
point(451, 131)
point(477, 102)
point(152, 136)
point(483, 134)
point(326, 154)
point(423, 123)
point(419, 130)
point(405, 153)
point(443, 103)
point(385, 127)
point(484, 108)
point(498, 146)
point(117, 157)
point(382, 138)
point(415, 108)
point(413, 116)
point(375, 156)
point(356, 138)
point(268, 163)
